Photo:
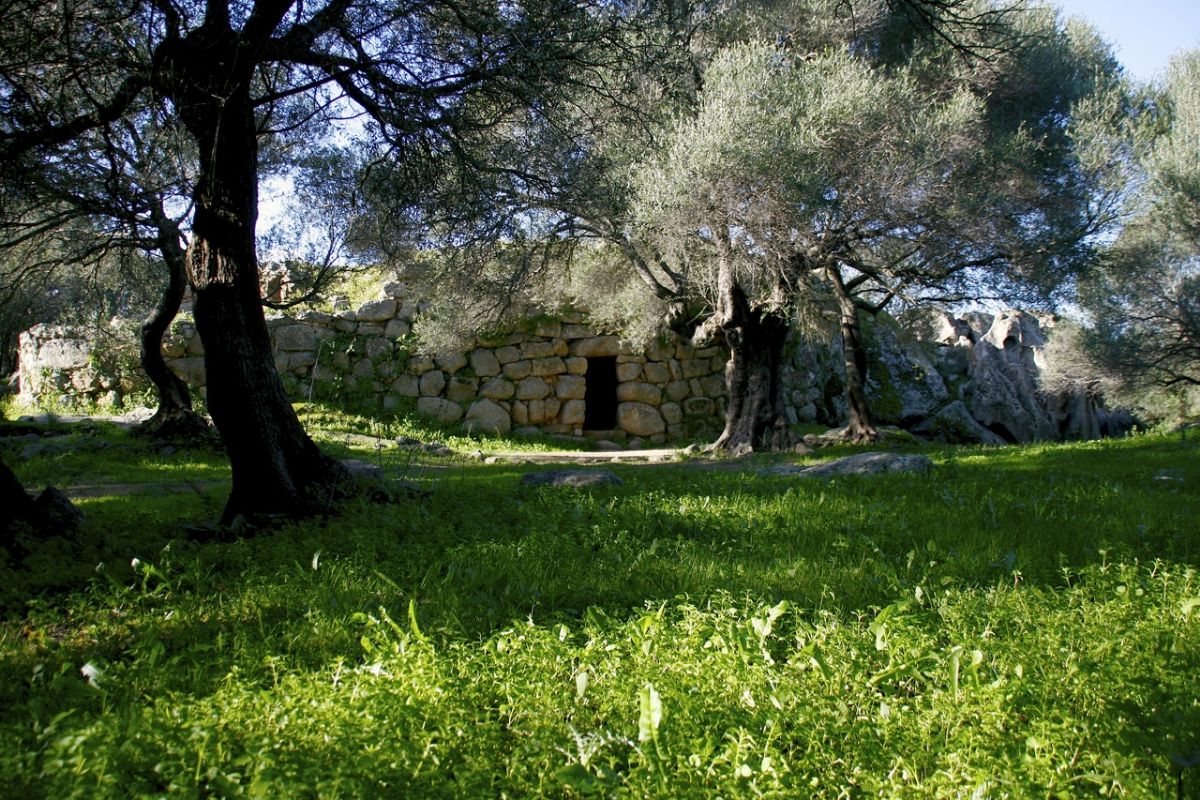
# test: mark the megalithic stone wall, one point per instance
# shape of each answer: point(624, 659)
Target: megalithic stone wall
point(975, 380)
point(534, 378)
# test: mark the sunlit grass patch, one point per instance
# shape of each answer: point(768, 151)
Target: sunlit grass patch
point(1021, 622)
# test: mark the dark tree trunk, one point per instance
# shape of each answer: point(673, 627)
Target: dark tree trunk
point(859, 427)
point(174, 418)
point(277, 468)
point(755, 418)
point(15, 505)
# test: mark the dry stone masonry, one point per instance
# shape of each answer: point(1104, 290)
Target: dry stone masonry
point(975, 379)
point(557, 376)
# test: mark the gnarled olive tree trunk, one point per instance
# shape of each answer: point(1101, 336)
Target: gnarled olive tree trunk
point(755, 418)
point(859, 427)
point(174, 418)
point(277, 468)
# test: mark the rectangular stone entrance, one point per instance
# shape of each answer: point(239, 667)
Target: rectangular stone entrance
point(600, 395)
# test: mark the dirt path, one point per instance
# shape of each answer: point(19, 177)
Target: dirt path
point(661, 455)
point(81, 491)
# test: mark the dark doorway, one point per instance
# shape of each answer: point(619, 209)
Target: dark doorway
point(600, 395)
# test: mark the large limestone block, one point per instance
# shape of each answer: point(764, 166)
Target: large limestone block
point(508, 354)
point(406, 386)
point(576, 365)
point(518, 370)
point(640, 419)
point(484, 416)
point(450, 363)
point(498, 388)
point(532, 388)
point(570, 387)
point(547, 366)
point(462, 389)
point(542, 411)
point(433, 383)
point(639, 393)
point(596, 346)
point(531, 350)
point(573, 413)
point(39, 350)
point(484, 363)
point(376, 310)
point(656, 372)
point(296, 337)
point(440, 409)
point(628, 372)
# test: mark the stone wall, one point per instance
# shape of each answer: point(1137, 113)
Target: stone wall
point(536, 378)
point(975, 379)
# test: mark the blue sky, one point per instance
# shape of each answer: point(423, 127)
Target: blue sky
point(1144, 34)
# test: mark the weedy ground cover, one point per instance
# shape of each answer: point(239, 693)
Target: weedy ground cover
point(1024, 622)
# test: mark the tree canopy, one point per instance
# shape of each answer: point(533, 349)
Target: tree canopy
point(1145, 297)
point(239, 81)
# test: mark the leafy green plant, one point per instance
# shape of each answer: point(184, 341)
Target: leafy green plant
point(1021, 623)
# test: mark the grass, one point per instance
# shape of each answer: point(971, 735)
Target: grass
point(1023, 623)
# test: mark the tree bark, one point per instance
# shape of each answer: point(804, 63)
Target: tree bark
point(277, 468)
point(755, 419)
point(15, 505)
point(174, 418)
point(859, 427)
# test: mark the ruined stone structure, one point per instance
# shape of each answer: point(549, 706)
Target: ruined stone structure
point(556, 375)
point(974, 379)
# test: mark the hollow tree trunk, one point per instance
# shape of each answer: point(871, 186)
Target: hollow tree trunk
point(174, 418)
point(859, 427)
point(277, 468)
point(755, 418)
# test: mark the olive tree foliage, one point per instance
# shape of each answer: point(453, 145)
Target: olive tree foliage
point(834, 184)
point(114, 194)
point(821, 160)
point(1144, 300)
point(239, 77)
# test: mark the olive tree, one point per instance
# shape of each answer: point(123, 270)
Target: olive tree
point(1145, 298)
point(836, 183)
point(229, 74)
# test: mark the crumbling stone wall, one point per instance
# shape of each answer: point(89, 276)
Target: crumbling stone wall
point(975, 379)
point(534, 378)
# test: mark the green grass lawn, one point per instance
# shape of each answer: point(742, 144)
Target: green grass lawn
point(1023, 622)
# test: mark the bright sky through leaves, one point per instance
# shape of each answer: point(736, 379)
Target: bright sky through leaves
point(1144, 34)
